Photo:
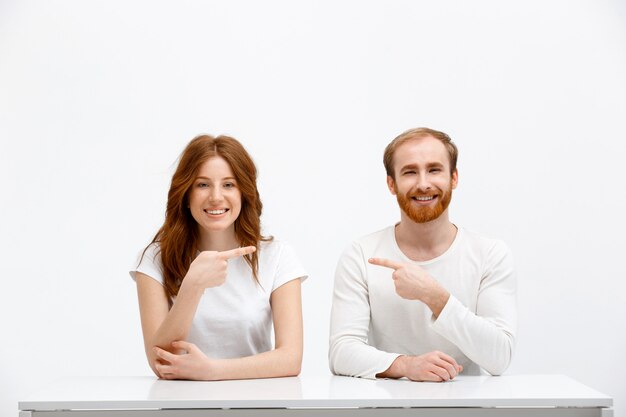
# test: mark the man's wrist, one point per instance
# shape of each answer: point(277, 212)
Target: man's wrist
point(396, 369)
point(437, 300)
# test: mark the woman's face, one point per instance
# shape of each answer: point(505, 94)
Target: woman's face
point(215, 198)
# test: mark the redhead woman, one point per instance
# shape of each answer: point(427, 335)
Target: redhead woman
point(210, 286)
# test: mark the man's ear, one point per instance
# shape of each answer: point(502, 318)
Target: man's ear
point(391, 184)
point(455, 178)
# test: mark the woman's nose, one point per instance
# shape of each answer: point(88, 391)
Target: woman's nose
point(215, 194)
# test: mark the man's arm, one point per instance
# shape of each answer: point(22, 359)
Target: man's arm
point(432, 366)
point(486, 337)
point(414, 283)
point(349, 353)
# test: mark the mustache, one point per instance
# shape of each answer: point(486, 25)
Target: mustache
point(411, 194)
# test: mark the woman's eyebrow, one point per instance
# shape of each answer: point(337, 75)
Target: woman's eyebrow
point(201, 177)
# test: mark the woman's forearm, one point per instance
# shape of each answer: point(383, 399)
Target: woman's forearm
point(178, 321)
point(280, 362)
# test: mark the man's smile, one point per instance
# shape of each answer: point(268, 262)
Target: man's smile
point(424, 198)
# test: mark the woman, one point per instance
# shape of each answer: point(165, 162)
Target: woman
point(209, 284)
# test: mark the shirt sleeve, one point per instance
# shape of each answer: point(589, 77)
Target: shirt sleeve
point(486, 337)
point(288, 267)
point(349, 352)
point(149, 263)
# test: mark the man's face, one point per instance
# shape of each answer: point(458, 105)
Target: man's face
point(423, 184)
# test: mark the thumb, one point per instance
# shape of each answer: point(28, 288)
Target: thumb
point(181, 344)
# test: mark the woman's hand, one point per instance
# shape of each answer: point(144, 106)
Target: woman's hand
point(209, 268)
point(191, 364)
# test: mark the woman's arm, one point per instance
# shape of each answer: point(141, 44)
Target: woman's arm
point(161, 325)
point(284, 360)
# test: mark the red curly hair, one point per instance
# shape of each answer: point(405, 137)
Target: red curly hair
point(179, 236)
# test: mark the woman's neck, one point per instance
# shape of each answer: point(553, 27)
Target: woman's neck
point(218, 241)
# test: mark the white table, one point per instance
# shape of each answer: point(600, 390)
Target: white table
point(515, 395)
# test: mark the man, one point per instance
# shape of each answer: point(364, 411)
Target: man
point(423, 299)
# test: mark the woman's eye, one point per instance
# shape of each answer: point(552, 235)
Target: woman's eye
point(203, 185)
point(229, 185)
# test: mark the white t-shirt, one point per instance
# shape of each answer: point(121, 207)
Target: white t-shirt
point(371, 325)
point(235, 319)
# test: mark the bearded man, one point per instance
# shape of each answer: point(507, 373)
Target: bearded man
point(423, 299)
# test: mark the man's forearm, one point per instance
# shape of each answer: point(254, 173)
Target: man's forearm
point(396, 370)
point(436, 300)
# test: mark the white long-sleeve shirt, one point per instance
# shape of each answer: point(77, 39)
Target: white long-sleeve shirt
point(371, 325)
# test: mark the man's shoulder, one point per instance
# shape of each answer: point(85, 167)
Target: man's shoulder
point(483, 243)
point(376, 236)
point(369, 245)
point(374, 239)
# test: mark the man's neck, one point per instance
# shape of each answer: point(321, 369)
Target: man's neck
point(425, 241)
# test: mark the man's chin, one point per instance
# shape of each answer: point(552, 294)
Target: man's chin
point(423, 216)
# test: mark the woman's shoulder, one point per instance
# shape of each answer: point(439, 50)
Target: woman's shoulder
point(280, 257)
point(154, 249)
point(151, 254)
point(271, 243)
point(275, 248)
point(149, 263)
point(277, 252)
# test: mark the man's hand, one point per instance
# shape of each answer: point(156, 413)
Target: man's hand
point(433, 366)
point(413, 283)
point(192, 364)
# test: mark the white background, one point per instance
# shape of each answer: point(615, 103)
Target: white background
point(97, 99)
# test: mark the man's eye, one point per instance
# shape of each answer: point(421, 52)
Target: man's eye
point(409, 172)
point(435, 170)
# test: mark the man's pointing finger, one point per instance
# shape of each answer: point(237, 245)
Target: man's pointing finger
point(385, 262)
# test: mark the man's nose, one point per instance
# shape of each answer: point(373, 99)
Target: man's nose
point(422, 183)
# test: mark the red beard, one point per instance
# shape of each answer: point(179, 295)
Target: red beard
point(426, 213)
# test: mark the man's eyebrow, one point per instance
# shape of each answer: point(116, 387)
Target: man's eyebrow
point(428, 164)
point(409, 166)
point(434, 164)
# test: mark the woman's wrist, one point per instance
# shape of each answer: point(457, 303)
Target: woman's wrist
point(191, 285)
point(212, 369)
